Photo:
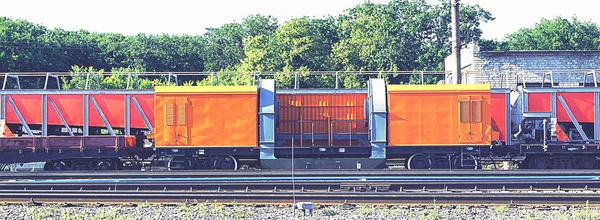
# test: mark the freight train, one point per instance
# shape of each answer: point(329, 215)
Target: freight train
point(239, 127)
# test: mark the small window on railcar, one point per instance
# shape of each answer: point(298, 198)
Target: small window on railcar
point(464, 111)
point(476, 105)
point(169, 117)
point(181, 114)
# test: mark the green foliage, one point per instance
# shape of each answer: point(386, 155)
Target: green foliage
point(331, 210)
point(501, 208)
point(83, 78)
point(556, 34)
point(227, 78)
point(402, 35)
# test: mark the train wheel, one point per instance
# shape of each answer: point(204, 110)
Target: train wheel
point(179, 163)
point(58, 165)
point(588, 163)
point(541, 162)
point(418, 161)
point(225, 163)
point(563, 162)
point(466, 161)
point(104, 165)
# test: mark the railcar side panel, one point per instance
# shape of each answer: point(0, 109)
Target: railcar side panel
point(581, 105)
point(539, 102)
point(498, 110)
point(30, 107)
point(146, 103)
point(439, 115)
point(71, 109)
point(206, 116)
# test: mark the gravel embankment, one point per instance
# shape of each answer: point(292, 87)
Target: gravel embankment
point(206, 211)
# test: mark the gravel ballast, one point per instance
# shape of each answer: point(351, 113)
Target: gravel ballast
point(209, 211)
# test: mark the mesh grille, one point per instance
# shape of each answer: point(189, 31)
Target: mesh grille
point(169, 114)
point(476, 105)
point(181, 114)
point(464, 111)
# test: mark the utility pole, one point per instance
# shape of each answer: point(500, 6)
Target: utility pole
point(456, 41)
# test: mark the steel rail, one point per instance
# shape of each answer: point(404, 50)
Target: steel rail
point(286, 197)
point(433, 191)
point(400, 186)
point(42, 175)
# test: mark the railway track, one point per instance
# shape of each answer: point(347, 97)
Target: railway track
point(44, 175)
point(388, 198)
point(548, 190)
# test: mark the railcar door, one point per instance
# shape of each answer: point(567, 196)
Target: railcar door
point(470, 125)
point(182, 125)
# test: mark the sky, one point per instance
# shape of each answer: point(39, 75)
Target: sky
point(178, 17)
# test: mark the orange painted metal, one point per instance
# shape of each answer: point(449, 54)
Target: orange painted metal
point(561, 135)
point(580, 103)
point(206, 119)
point(432, 117)
point(71, 108)
point(498, 106)
point(539, 102)
point(322, 114)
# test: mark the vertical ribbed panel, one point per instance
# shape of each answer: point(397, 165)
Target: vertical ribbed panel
point(266, 139)
point(377, 118)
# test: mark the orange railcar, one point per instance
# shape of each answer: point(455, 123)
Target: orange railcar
point(216, 116)
point(434, 115)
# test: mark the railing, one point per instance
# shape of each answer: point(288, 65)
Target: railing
point(350, 132)
point(292, 80)
point(535, 78)
point(504, 78)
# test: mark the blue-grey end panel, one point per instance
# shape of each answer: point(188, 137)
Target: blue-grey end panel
point(377, 117)
point(3, 106)
point(596, 116)
point(266, 126)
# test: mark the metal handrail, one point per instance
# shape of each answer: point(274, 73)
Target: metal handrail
point(350, 133)
point(312, 132)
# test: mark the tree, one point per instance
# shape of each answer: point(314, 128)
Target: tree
point(556, 34)
point(402, 35)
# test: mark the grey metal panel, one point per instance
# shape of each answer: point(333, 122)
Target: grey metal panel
point(499, 90)
point(142, 113)
point(573, 119)
point(3, 106)
point(60, 115)
point(86, 114)
point(23, 122)
point(508, 125)
point(553, 121)
point(537, 114)
point(44, 115)
point(78, 92)
point(321, 91)
point(525, 100)
point(266, 114)
point(99, 110)
point(378, 117)
point(127, 114)
point(575, 89)
point(596, 116)
point(553, 104)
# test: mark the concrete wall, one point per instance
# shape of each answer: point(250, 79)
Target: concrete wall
point(501, 68)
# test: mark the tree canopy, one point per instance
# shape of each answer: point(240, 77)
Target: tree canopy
point(555, 34)
point(402, 35)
